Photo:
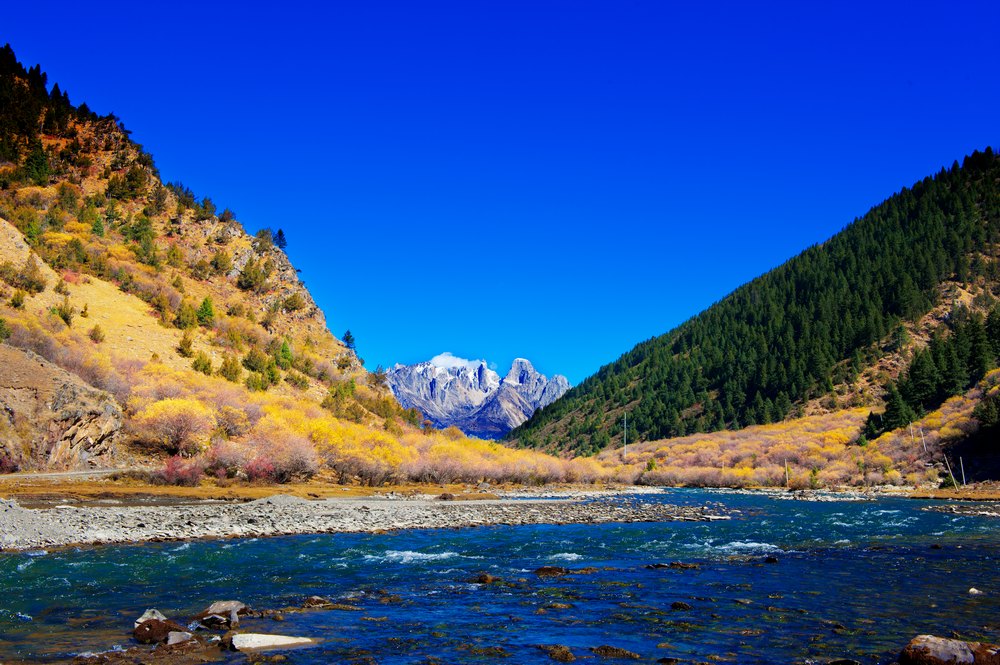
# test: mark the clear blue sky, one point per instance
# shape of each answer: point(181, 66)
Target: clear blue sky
point(553, 180)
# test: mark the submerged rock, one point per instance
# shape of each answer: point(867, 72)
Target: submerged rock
point(558, 652)
point(551, 571)
point(931, 650)
point(680, 605)
point(317, 602)
point(178, 637)
point(605, 651)
point(678, 565)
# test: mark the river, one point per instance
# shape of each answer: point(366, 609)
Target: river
point(853, 579)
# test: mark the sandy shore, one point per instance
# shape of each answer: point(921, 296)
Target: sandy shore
point(23, 528)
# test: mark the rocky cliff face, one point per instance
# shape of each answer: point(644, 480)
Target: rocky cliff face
point(49, 418)
point(471, 396)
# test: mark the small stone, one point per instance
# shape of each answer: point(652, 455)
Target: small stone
point(975, 592)
point(771, 559)
point(177, 637)
point(680, 605)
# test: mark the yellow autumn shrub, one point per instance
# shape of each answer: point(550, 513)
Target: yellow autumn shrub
point(180, 425)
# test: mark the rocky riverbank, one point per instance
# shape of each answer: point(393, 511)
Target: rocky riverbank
point(24, 529)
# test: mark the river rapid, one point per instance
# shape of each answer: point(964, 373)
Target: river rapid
point(853, 579)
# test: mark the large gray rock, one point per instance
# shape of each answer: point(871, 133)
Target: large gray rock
point(931, 650)
point(469, 395)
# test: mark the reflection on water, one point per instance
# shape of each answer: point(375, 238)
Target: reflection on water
point(853, 579)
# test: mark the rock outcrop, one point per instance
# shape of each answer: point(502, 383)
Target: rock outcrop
point(50, 418)
point(469, 395)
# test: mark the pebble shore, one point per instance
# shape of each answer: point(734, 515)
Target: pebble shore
point(64, 525)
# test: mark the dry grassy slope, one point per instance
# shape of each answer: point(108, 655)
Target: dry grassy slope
point(129, 328)
point(129, 323)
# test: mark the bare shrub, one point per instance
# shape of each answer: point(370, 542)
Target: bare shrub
point(179, 425)
point(227, 458)
point(178, 471)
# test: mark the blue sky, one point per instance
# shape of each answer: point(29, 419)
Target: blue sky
point(553, 180)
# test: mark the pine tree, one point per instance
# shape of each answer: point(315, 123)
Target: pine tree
point(206, 313)
point(348, 340)
point(897, 412)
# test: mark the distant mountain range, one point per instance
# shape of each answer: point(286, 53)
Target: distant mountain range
point(471, 396)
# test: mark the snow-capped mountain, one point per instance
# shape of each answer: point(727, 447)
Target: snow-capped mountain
point(469, 395)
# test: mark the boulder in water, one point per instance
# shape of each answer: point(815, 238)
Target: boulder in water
point(178, 637)
point(931, 650)
point(155, 631)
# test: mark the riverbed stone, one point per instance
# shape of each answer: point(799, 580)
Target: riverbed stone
point(317, 602)
point(551, 571)
point(223, 614)
point(933, 650)
point(558, 652)
point(606, 651)
point(155, 631)
point(255, 641)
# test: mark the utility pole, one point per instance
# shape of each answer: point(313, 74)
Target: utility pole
point(625, 438)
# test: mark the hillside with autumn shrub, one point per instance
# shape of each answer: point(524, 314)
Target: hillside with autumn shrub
point(201, 333)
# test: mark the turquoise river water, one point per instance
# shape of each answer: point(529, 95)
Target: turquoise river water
point(854, 579)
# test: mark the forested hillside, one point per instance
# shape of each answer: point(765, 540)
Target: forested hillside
point(788, 337)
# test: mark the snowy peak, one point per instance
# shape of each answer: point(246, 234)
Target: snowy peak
point(450, 390)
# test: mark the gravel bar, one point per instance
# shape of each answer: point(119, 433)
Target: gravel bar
point(280, 515)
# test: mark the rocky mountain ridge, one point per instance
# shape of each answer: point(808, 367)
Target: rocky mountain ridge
point(469, 395)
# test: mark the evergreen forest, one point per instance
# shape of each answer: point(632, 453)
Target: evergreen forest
point(788, 336)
